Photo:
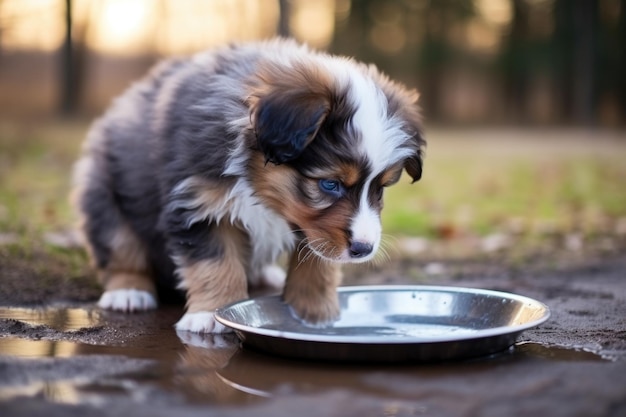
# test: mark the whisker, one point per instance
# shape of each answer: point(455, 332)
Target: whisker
point(302, 246)
point(321, 249)
point(315, 248)
point(306, 243)
point(381, 257)
point(389, 244)
point(387, 237)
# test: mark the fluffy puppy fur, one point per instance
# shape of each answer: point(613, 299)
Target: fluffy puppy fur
point(212, 166)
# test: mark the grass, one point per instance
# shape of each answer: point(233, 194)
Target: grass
point(35, 166)
point(531, 182)
point(476, 182)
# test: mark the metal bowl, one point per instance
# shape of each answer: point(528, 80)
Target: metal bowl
point(390, 324)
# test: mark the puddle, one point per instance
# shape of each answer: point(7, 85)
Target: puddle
point(259, 374)
point(557, 353)
point(214, 369)
point(61, 319)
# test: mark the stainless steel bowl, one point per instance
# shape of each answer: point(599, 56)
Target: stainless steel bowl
point(390, 324)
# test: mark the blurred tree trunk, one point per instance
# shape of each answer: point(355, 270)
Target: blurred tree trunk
point(283, 19)
point(562, 44)
point(621, 61)
point(584, 61)
point(438, 53)
point(576, 49)
point(1, 29)
point(73, 61)
point(515, 62)
point(68, 93)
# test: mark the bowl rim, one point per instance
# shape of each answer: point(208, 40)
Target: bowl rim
point(391, 340)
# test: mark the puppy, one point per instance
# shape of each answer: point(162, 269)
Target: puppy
point(212, 166)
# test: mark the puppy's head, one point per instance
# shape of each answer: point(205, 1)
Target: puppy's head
point(330, 135)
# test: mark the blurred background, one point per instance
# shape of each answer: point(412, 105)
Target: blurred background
point(524, 104)
point(474, 61)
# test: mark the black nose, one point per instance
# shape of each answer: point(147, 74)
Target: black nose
point(360, 249)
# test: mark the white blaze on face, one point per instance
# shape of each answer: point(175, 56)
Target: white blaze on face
point(382, 140)
point(382, 135)
point(381, 143)
point(366, 227)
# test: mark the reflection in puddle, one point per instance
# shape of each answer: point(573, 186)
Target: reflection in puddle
point(559, 353)
point(66, 392)
point(37, 348)
point(61, 319)
point(62, 392)
point(214, 369)
point(263, 375)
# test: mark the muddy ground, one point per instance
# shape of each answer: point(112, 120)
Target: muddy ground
point(61, 356)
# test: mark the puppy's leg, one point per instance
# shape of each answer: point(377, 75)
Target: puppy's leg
point(115, 250)
point(311, 288)
point(125, 277)
point(213, 277)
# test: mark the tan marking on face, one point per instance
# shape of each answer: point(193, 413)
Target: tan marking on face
point(324, 224)
point(349, 174)
point(277, 186)
point(327, 234)
point(391, 176)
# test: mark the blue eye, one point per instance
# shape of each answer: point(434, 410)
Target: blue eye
point(331, 187)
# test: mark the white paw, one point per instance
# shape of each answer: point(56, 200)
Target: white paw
point(201, 322)
point(273, 276)
point(127, 300)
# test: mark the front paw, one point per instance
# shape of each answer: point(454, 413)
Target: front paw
point(315, 312)
point(127, 300)
point(201, 322)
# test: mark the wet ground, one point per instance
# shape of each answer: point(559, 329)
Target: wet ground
point(71, 359)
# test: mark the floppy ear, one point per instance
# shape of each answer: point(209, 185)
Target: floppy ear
point(413, 164)
point(415, 142)
point(402, 103)
point(288, 105)
point(286, 121)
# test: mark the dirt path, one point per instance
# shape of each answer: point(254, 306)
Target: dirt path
point(70, 359)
